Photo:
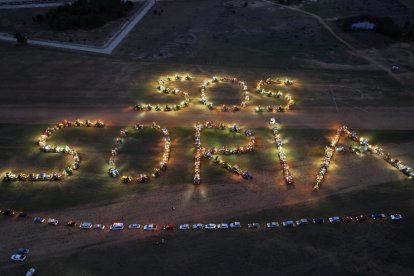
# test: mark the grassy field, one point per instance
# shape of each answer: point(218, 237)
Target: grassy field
point(206, 38)
point(127, 83)
point(365, 248)
point(329, 9)
point(361, 89)
point(260, 35)
point(315, 87)
point(142, 152)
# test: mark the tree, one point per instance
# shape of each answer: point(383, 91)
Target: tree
point(87, 14)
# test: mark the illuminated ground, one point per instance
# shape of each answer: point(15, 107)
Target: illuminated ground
point(39, 87)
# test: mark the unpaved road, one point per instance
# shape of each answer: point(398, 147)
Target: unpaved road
point(317, 118)
point(359, 53)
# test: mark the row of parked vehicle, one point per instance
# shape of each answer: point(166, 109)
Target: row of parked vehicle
point(210, 226)
point(20, 256)
point(286, 223)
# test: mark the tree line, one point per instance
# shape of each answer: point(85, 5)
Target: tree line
point(84, 14)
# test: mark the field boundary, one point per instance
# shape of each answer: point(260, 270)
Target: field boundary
point(107, 48)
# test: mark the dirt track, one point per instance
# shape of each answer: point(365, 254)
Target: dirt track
point(318, 118)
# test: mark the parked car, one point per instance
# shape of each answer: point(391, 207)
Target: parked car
point(334, 219)
point(184, 226)
point(39, 220)
point(253, 225)
point(8, 212)
point(18, 257)
point(361, 218)
point(197, 226)
point(223, 226)
point(23, 215)
point(318, 220)
point(23, 251)
point(288, 223)
point(302, 221)
point(98, 226)
point(52, 221)
point(235, 225)
point(30, 272)
point(85, 225)
point(272, 224)
point(210, 226)
point(168, 227)
point(71, 223)
point(150, 227)
point(134, 226)
point(378, 216)
point(116, 226)
point(347, 219)
point(272, 121)
point(396, 217)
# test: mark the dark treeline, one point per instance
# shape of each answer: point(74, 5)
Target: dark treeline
point(85, 14)
point(289, 2)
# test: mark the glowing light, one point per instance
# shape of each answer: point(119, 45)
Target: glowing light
point(163, 88)
point(366, 147)
point(224, 108)
point(212, 153)
point(48, 148)
point(279, 95)
point(281, 153)
point(119, 142)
